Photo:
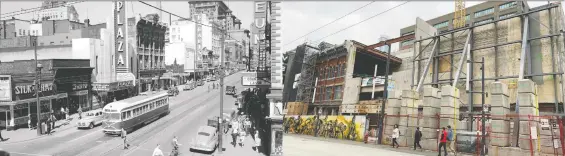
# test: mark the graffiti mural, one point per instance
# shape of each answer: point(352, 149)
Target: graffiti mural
point(339, 127)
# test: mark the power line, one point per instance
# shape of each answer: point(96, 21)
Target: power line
point(330, 22)
point(362, 21)
point(26, 11)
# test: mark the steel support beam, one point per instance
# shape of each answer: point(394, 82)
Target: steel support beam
point(494, 78)
point(495, 51)
point(461, 61)
point(435, 71)
point(523, 53)
point(498, 20)
point(427, 66)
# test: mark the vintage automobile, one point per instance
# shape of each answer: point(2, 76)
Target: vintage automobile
point(200, 83)
point(173, 91)
point(230, 90)
point(189, 86)
point(206, 139)
point(91, 119)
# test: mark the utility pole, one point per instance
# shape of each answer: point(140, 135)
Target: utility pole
point(483, 129)
point(385, 96)
point(221, 72)
point(37, 84)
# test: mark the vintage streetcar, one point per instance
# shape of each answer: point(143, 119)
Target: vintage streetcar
point(134, 112)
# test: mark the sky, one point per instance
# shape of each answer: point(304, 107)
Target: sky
point(298, 17)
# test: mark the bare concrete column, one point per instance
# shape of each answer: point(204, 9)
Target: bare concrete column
point(449, 113)
point(527, 101)
point(430, 120)
point(393, 111)
point(408, 120)
point(500, 106)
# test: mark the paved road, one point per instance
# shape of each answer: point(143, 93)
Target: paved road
point(189, 110)
point(294, 145)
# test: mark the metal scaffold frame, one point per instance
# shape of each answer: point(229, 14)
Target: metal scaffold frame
point(307, 78)
point(525, 70)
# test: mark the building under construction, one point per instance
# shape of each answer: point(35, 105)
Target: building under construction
point(499, 32)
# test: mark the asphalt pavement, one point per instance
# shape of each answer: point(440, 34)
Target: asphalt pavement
point(189, 110)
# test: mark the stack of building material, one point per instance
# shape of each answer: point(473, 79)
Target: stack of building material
point(500, 107)
point(449, 114)
point(392, 111)
point(528, 114)
point(549, 136)
point(430, 120)
point(407, 122)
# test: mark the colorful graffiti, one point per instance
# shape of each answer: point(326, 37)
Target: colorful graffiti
point(339, 127)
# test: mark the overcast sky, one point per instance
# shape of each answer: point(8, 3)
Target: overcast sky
point(299, 18)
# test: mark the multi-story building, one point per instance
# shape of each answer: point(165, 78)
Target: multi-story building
point(241, 36)
point(188, 33)
point(341, 76)
point(146, 37)
point(497, 36)
point(64, 83)
point(216, 11)
point(13, 28)
point(477, 14)
point(57, 10)
point(56, 46)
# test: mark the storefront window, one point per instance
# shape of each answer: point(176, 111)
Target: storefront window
point(21, 110)
point(45, 106)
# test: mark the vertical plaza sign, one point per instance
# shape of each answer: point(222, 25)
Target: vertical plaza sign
point(119, 18)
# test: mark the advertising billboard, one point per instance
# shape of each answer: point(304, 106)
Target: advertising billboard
point(5, 88)
point(250, 79)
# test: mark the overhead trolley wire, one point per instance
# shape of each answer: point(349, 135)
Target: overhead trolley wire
point(331, 22)
point(362, 21)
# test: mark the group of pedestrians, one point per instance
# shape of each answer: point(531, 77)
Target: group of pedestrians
point(445, 141)
point(242, 127)
point(214, 85)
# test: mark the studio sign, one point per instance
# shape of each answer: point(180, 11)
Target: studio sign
point(26, 89)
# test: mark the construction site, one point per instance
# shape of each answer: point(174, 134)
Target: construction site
point(493, 72)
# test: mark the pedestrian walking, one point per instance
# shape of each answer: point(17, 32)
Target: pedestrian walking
point(79, 110)
point(124, 136)
point(29, 122)
point(47, 122)
point(1, 138)
point(417, 138)
point(234, 133)
point(442, 143)
point(53, 120)
point(395, 135)
point(67, 114)
point(450, 140)
point(257, 141)
point(157, 151)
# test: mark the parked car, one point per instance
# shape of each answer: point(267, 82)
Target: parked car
point(206, 139)
point(200, 83)
point(230, 90)
point(189, 86)
point(173, 91)
point(92, 118)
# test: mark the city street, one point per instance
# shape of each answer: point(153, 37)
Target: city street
point(189, 110)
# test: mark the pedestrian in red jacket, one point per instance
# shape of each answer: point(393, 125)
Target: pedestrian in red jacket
point(443, 142)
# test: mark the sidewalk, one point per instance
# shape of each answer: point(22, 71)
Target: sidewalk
point(245, 150)
point(25, 134)
point(301, 140)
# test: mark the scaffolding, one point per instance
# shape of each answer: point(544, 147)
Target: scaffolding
point(308, 73)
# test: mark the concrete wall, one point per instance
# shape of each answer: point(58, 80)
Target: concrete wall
point(351, 91)
point(508, 56)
